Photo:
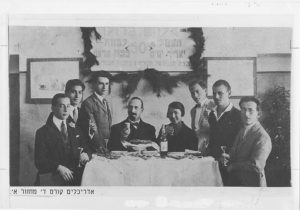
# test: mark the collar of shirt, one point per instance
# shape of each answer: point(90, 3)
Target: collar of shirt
point(228, 109)
point(72, 108)
point(99, 97)
point(57, 122)
point(134, 123)
point(201, 104)
point(247, 128)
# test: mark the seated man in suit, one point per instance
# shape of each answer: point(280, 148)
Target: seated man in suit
point(249, 153)
point(59, 148)
point(74, 90)
point(132, 129)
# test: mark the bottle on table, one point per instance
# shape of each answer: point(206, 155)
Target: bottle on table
point(163, 142)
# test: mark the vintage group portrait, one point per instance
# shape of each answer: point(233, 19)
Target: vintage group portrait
point(150, 106)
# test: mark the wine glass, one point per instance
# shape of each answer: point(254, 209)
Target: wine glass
point(106, 141)
point(223, 148)
point(170, 130)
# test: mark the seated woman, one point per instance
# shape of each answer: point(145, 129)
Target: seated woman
point(179, 136)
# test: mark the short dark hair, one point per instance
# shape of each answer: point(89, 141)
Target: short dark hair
point(56, 97)
point(96, 74)
point(248, 99)
point(73, 82)
point(199, 82)
point(222, 82)
point(177, 105)
point(137, 98)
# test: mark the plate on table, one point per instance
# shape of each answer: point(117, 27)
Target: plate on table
point(140, 141)
point(176, 155)
point(150, 153)
point(192, 152)
point(118, 152)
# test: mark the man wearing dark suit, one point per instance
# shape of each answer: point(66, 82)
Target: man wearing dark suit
point(132, 128)
point(95, 113)
point(252, 146)
point(224, 121)
point(57, 152)
point(74, 90)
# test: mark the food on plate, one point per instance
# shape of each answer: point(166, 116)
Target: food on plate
point(140, 141)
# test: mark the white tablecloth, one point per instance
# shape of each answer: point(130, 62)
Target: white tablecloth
point(133, 171)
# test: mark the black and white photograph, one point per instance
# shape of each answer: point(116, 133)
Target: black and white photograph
point(150, 106)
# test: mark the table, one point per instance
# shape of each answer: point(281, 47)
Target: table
point(134, 171)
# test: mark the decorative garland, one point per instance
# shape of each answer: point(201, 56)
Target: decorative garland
point(90, 58)
point(160, 81)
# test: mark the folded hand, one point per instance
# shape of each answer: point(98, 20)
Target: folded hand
point(65, 173)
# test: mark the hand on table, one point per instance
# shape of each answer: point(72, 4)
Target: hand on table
point(65, 173)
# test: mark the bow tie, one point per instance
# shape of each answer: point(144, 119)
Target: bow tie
point(198, 106)
point(134, 124)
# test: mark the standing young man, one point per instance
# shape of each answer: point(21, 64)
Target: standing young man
point(224, 121)
point(200, 113)
point(95, 113)
point(250, 151)
point(74, 90)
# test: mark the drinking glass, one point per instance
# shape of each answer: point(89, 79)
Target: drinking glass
point(223, 148)
point(106, 141)
point(80, 149)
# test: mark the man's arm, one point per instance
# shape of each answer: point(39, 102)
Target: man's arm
point(42, 162)
point(258, 157)
point(114, 143)
point(84, 117)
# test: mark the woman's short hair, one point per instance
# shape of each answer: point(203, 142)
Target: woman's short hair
point(177, 105)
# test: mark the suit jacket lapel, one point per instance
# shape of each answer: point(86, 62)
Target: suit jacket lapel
point(249, 136)
point(72, 139)
point(99, 103)
point(193, 115)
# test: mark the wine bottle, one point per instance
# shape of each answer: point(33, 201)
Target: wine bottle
point(163, 142)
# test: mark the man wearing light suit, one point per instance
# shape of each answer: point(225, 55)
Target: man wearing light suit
point(249, 152)
point(200, 113)
point(95, 113)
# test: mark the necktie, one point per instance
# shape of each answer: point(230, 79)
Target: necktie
point(197, 116)
point(75, 114)
point(64, 131)
point(107, 110)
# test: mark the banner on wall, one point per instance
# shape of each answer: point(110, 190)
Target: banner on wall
point(133, 49)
